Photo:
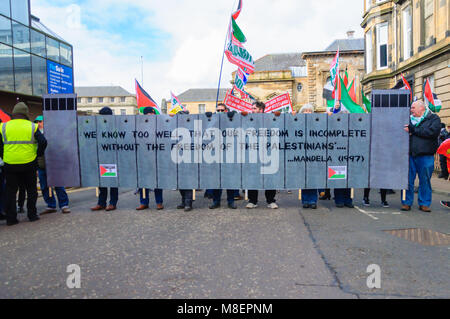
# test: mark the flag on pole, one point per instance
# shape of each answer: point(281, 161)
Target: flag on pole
point(431, 100)
point(334, 71)
point(176, 105)
point(407, 87)
point(144, 99)
point(346, 78)
point(238, 10)
point(352, 91)
point(346, 100)
point(240, 79)
point(237, 32)
point(240, 57)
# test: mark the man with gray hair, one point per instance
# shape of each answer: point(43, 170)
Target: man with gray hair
point(424, 129)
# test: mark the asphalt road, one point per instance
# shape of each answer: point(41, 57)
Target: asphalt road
point(262, 253)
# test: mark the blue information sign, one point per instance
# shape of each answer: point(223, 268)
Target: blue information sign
point(59, 78)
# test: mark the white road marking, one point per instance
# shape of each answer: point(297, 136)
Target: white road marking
point(366, 213)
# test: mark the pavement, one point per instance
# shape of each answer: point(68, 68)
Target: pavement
point(289, 253)
point(440, 186)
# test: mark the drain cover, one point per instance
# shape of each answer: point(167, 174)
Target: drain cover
point(425, 237)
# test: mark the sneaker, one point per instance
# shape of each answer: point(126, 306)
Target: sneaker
point(446, 204)
point(65, 210)
point(385, 204)
point(232, 206)
point(251, 206)
point(49, 210)
point(20, 210)
point(305, 206)
point(366, 202)
point(33, 218)
point(314, 206)
point(188, 209)
point(340, 205)
point(273, 206)
point(214, 206)
point(181, 206)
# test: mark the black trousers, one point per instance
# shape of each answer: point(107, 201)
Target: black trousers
point(16, 175)
point(21, 199)
point(383, 193)
point(186, 197)
point(270, 196)
point(443, 162)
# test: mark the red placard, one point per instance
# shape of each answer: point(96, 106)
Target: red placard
point(279, 102)
point(237, 104)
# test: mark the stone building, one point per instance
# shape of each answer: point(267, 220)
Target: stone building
point(91, 99)
point(351, 58)
point(410, 37)
point(304, 75)
point(199, 101)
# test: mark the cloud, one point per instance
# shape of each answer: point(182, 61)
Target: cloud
point(182, 41)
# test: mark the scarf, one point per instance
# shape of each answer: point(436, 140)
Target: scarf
point(417, 120)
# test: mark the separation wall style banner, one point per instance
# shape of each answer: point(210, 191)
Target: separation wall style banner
point(230, 151)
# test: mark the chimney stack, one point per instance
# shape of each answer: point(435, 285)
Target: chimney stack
point(351, 34)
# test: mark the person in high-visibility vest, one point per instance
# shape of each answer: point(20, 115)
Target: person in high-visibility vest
point(20, 145)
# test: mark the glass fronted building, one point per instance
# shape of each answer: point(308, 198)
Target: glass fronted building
point(33, 59)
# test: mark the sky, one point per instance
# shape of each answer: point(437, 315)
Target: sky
point(181, 42)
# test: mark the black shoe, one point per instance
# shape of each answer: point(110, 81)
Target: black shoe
point(188, 209)
point(181, 206)
point(385, 204)
point(214, 206)
point(20, 210)
point(2, 217)
point(12, 223)
point(33, 218)
point(314, 206)
point(340, 205)
point(232, 206)
point(366, 202)
point(305, 206)
point(349, 205)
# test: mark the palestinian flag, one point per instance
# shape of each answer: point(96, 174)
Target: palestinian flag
point(407, 87)
point(238, 10)
point(346, 78)
point(144, 99)
point(352, 91)
point(431, 100)
point(366, 102)
point(337, 172)
point(108, 170)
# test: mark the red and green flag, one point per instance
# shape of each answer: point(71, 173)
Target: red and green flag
point(366, 102)
point(346, 101)
point(144, 99)
point(431, 100)
point(236, 14)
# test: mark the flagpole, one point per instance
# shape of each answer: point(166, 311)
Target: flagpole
point(223, 54)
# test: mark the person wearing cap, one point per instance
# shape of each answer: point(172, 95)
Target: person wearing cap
point(103, 191)
point(19, 151)
point(63, 199)
point(158, 192)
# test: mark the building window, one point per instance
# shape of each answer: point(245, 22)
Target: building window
point(428, 22)
point(122, 99)
point(39, 72)
point(123, 112)
point(382, 46)
point(100, 100)
point(79, 100)
point(65, 52)
point(89, 100)
point(407, 33)
point(299, 87)
point(53, 49)
point(6, 68)
point(38, 43)
point(22, 72)
point(5, 31)
point(113, 100)
point(21, 36)
point(369, 55)
point(20, 11)
point(5, 9)
point(201, 108)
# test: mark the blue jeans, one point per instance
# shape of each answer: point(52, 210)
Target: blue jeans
point(342, 196)
point(146, 201)
point(309, 196)
point(103, 196)
point(217, 196)
point(63, 199)
point(424, 167)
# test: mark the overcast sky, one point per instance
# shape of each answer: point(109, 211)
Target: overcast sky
point(181, 41)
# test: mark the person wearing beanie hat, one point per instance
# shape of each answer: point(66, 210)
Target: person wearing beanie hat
point(103, 191)
point(144, 200)
point(19, 152)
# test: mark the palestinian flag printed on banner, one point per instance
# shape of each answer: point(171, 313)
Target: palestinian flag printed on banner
point(144, 99)
point(431, 100)
point(337, 172)
point(108, 170)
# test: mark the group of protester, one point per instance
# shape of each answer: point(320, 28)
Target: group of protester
point(23, 144)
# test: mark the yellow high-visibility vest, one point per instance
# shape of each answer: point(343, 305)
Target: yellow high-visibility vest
point(19, 144)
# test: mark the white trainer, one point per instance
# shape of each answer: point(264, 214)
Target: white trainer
point(273, 206)
point(251, 206)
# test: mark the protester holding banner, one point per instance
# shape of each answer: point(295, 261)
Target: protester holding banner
point(61, 194)
point(259, 107)
point(309, 196)
point(103, 191)
point(144, 200)
point(19, 152)
point(424, 129)
point(217, 193)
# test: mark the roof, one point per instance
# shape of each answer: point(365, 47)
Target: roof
point(37, 24)
point(347, 45)
point(279, 62)
point(202, 95)
point(101, 91)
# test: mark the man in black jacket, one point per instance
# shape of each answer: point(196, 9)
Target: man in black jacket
point(424, 129)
